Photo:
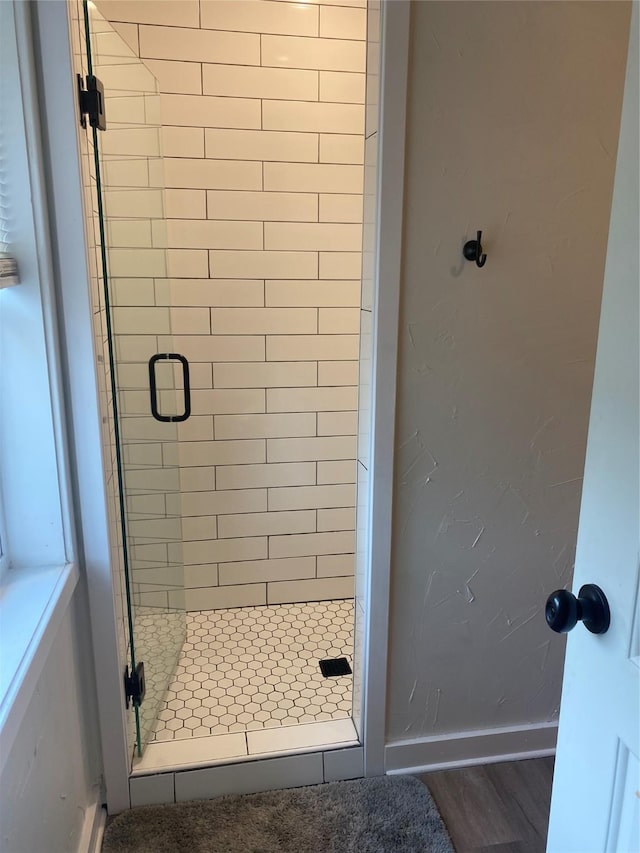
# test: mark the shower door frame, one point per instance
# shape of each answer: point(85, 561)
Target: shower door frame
point(65, 199)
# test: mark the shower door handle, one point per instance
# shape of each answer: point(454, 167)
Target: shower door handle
point(153, 391)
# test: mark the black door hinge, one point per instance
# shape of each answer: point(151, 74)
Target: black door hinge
point(134, 685)
point(91, 102)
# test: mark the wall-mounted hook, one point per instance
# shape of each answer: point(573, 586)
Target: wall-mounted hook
point(472, 250)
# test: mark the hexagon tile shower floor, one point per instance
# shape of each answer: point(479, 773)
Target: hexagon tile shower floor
point(251, 668)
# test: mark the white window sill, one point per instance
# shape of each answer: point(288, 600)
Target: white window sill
point(32, 605)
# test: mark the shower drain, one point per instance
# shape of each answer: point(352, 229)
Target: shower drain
point(331, 667)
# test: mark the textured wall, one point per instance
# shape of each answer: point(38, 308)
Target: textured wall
point(513, 118)
point(263, 124)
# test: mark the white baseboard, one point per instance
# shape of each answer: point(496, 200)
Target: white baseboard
point(95, 818)
point(463, 749)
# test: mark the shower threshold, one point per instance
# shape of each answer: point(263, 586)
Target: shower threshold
point(248, 684)
point(245, 746)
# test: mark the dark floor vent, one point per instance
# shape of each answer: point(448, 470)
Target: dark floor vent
point(332, 667)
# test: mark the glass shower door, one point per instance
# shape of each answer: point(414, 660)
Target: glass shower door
point(147, 381)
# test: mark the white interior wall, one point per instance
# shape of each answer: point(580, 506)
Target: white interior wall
point(50, 766)
point(50, 778)
point(513, 117)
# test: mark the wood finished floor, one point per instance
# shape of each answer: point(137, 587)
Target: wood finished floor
point(495, 808)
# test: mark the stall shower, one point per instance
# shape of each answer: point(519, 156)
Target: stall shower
point(224, 192)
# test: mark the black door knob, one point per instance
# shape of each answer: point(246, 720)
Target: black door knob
point(563, 610)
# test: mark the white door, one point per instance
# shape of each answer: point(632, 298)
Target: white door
point(596, 791)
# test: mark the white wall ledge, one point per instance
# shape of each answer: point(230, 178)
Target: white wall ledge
point(32, 605)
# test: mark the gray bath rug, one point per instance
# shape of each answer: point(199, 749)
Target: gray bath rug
point(388, 814)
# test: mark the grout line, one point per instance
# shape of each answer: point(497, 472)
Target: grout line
point(235, 97)
point(287, 131)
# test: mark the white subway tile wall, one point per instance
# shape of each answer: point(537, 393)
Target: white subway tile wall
point(263, 106)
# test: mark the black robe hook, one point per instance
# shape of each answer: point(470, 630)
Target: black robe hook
point(472, 250)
